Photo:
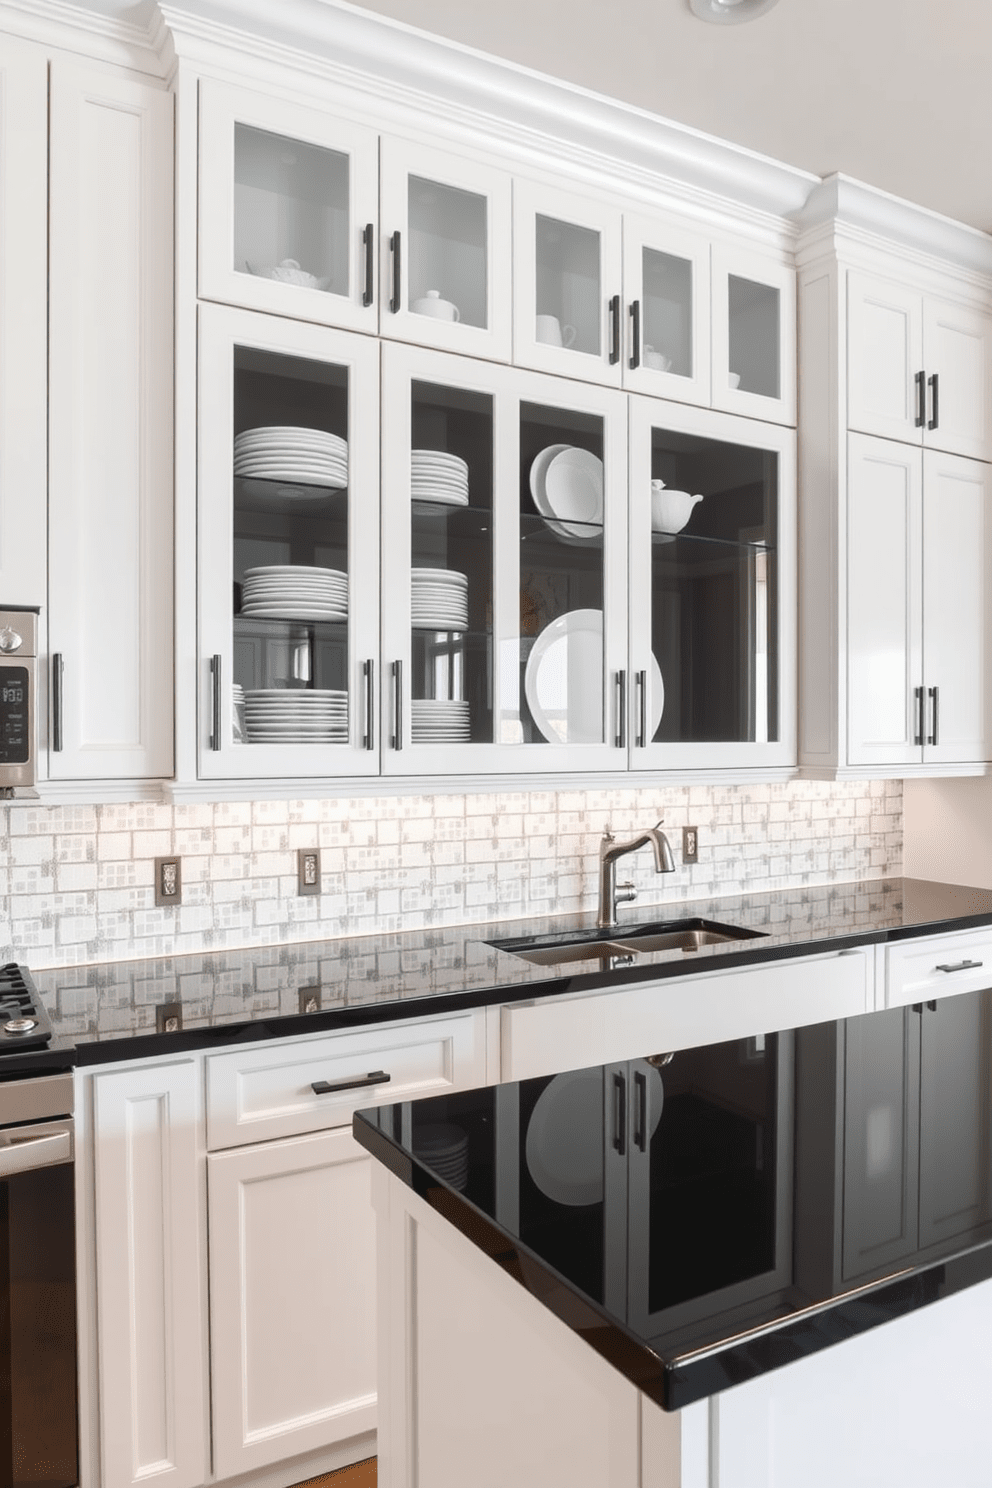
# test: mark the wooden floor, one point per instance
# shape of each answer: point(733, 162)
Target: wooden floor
point(360, 1475)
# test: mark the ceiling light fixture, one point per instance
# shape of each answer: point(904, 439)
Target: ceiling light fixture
point(729, 12)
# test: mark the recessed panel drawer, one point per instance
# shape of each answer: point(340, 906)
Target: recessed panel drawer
point(939, 966)
point(256, 1094)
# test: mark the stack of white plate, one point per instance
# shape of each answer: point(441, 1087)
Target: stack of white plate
point(284, 453)
point(438, 477)
point(440, 721)
point(438, 599)
point(281, 715)
point(443, 1147)
point(238, 720)
point(293, 592)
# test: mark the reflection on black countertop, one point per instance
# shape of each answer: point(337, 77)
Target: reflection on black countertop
point(704, 1217)
point(230, 996)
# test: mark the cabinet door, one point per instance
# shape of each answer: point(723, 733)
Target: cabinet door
point(289, 547)
point(754, 335)
point(957, 348)
point(884, 603)
point(110, 424)
point(504, 625)
point(446, 251)
point(567, 301)
point(954, 1117)
point(881, 1140)
point(151, 1320)
point(712, 589)
point(23, 311)
point(292, 1299)
point(666, 276)
point(288, 205)
point(885, 367)
point(957, 585)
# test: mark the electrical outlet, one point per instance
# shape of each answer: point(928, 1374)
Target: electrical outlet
point(310, 999)
point(308, 870)
point(690, 845)
point(168, 881)
point(169, 1017)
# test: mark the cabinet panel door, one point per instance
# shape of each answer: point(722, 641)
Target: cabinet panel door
point(110, 430)
point(288, 205)
point(957, 346)
point(23, 310)
point(884, 607)
point(957, 600)
point(446, 249)
point(666, 341)
point(754, 335)
point(884, 358)
point(292, 1298)
point(954, 1153)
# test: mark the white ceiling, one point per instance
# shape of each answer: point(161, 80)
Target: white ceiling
point(892, 92)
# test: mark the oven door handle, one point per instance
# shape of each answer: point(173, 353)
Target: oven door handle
point(20, 1154)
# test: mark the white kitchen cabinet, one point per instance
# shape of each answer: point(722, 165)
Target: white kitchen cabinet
point(936, 966)
point(754, 334)
point(289, 547)
point(110, 563)
point(712, 589)
point(666, 342)
point(292, 1299)
point(919, 367)
point(919, 566)
point(151, 1309)
point(23, 311)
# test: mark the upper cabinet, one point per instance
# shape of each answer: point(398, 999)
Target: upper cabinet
point(919, 367)
point(666, 276)
point(754, 335)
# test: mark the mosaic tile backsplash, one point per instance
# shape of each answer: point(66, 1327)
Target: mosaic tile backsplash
point(76, 882)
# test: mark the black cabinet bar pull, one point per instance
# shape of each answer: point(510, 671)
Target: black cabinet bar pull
point(918, 695)
point(921, 400)
point(621, 733)
point(374, 1077)
point(397, 705)
point(394, 248)
point(614, 330)
point(215, 701)
point(620, 1114)
point(368, 671)
point(642, 710)
point(934, 405)
point(640, 1111)
point(368, 240)
point(960, 966)
point(58, 668)
point(635, 334)
point(934, 714)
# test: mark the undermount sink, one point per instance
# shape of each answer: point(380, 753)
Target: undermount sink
point(625, 944)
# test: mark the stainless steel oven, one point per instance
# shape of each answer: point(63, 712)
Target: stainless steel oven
point(18, 726)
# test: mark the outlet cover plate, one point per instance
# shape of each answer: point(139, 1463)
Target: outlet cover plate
point(308, 870)
point(690, 845)
point(168, 881)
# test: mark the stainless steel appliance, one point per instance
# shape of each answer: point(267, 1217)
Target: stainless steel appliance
point(18, 730)
point(38, 1410)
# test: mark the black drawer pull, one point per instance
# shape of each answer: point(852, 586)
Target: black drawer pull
point(620, 1114)
point(368, 243)
point(375, 1077)
point(961, 966)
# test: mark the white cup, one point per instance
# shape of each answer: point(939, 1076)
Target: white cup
point(549, 330)
point(656, 360)
point(734, 378)
point(432, 304)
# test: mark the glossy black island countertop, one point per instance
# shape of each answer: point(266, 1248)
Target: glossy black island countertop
point(113, 1010)
point(703, 1217)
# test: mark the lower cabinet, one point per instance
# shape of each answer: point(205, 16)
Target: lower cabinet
point(292, 1298)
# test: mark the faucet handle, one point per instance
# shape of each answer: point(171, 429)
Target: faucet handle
point(608, 833)
point(626, 893)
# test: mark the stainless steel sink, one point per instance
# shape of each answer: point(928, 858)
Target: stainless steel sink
point(625, 944)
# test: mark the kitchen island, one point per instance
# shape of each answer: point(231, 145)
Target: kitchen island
point(702, 1267)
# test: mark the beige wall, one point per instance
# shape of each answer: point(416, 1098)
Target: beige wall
point(948, 831)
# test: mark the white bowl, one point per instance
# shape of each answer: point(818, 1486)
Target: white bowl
point(670, 510)
point(287, 272)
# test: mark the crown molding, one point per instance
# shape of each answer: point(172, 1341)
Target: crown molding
point(94, 34)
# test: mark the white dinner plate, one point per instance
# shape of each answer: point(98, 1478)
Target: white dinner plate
point(563, 681)
point(294, 570)
point(289, 436)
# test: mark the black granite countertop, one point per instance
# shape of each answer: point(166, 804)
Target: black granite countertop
point(703, 1217)
point(109, 1011)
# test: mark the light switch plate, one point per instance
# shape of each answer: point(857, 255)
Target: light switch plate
point(690, 845)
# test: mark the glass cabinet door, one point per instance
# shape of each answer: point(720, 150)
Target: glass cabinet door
point(287, 209)
point(568, 310)
point(504, 630)
point(712, 589)
point(289, 532)
point(445, 251)
point(667, 285)
point(754, 336)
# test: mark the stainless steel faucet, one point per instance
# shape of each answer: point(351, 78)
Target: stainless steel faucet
point(610, 894)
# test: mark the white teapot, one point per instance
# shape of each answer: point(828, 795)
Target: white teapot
point(670, 510)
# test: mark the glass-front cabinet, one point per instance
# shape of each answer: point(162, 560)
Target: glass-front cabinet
point(754, 335)
point(288, 518)
point(504, 569)
point(712, 584)
point(667, 290)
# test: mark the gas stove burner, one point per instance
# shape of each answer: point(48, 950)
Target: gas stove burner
point(17, 1026)
point(24, 1024)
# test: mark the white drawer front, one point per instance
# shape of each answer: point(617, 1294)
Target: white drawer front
point(919, 970)
point(542, 1038)
point(254, 1095)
